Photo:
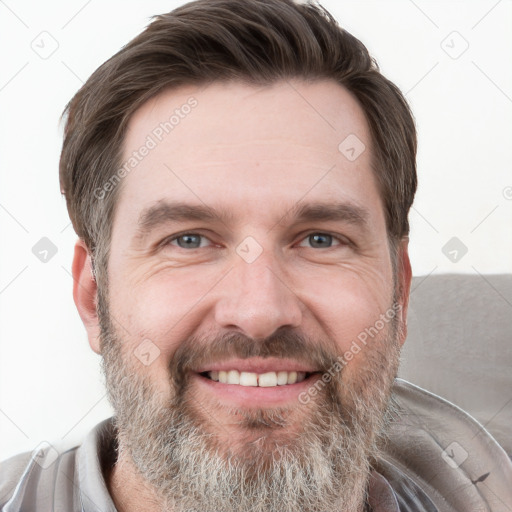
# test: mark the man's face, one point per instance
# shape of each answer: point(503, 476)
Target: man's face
point(275, 285)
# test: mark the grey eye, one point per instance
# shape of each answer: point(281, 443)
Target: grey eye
point(189, 241)
point(320, 240)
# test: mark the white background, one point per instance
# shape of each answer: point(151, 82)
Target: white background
point(50, 382)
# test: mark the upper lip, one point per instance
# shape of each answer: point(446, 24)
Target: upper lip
point(259, 365)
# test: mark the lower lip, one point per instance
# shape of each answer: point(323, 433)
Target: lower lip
point(255, 396)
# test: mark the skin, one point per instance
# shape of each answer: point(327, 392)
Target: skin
point(255, 152)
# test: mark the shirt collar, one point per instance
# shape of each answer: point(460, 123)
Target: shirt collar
point(381, 496)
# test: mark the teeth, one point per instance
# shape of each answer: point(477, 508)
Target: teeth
point(282, 378)
point(267, 380)
point(233, 377)
point(264, 380)
point(248, 379)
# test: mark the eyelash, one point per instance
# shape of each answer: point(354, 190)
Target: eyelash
point(342, 241)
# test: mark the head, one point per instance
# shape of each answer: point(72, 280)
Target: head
point(240, 176)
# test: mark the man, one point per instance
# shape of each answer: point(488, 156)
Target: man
point(239, 176)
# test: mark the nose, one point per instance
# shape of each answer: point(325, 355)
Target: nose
point(257, 300)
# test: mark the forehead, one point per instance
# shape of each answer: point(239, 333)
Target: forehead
point(250, 148)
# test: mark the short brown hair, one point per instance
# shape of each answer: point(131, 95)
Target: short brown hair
point(253, 41)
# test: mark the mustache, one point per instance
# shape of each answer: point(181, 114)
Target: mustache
point(196, 351)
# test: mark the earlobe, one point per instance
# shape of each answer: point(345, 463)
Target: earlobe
point(403, 283)
point(85, 293)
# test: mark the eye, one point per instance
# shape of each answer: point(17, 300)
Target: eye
point(189, 241)
point(316, 240)
point(321, 240)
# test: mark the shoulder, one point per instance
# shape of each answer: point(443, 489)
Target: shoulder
point(57, 477)
point(434, 445)
point(11, 472)
point(29, 478)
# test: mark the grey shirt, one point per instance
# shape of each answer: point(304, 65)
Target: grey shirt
point(437, 459)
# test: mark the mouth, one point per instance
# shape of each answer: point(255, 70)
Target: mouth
point(252, 379)
point(256, 382)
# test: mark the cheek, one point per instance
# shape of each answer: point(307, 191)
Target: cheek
point(161, 306)
point(350, 304)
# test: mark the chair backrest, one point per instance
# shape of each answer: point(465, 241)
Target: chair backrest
point(459, 345)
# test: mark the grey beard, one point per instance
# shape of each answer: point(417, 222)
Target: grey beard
point(323, 467)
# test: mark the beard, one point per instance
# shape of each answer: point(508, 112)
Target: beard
point(312, 457)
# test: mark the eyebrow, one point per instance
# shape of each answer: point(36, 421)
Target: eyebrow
point(164, 211)
point(344, 212)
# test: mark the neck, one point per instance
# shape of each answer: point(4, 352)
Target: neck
point(129, 491)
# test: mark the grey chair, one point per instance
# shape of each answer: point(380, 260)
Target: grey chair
point(459, 345)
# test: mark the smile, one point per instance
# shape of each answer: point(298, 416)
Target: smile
point(267, 380)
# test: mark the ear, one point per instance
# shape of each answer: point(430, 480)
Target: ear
point(85, 293)
point(403, 283)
